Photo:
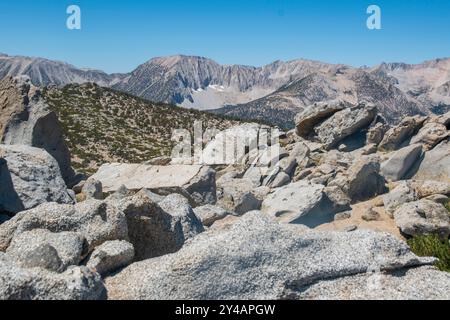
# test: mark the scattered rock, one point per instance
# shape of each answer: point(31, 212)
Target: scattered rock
point(430, 187)
point(76, 283)
point(315, 114)
point(78, 187)
point(362, 180)
point(280, 180)
point(444, 119)
point(423, 217)
point(344, 124)
point(376, 133)
point(397, 136)
point(402, 193)
point(350, 228)
point(370, 215)
point(238, 195)
point(92, 189)
point(38, 247)
point(208, 214)
point(343, 215)
point(111, 256)
point(301, 203)
point(409, 191)
point(436, 164)
point(430, 135)
point(401, 162)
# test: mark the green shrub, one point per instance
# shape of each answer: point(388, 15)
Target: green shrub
point(432, 246)
point(447, 206)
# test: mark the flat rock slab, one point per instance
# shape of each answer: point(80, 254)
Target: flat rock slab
point(256, 258)
point(139, 176)
point(294, 201)
point(412, 284)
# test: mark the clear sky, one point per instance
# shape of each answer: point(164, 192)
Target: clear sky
point(118, 35)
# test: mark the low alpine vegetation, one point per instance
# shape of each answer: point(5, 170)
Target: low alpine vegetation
point(432, 246)
point(103, 125)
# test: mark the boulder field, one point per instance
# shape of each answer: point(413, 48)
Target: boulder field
point(324, 218)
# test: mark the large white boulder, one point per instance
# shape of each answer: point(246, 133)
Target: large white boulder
point(198, 181)
point(256, 258)
point(29, 177)
point(436, 164)
point(397, 167)
point(76, 283)
point(27, 119)
point(345, 123)
point(423, 217)
point(304, 203)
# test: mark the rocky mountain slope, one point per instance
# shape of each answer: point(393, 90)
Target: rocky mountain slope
point(347, 84)
point(274, 92)
point(103, 125)
point(428, 82)
point(43, 72)
point(201, 83)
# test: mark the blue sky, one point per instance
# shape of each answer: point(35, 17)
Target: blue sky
point(118, 35)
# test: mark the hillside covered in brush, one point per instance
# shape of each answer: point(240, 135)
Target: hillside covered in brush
point(102, 125)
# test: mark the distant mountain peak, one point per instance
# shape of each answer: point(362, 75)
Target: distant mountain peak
point(276, 90)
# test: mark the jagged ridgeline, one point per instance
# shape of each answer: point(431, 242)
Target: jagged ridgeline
point(103, 125)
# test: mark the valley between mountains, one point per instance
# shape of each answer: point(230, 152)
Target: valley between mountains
point(273, 93)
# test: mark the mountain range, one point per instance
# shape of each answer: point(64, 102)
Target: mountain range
point(272, 93)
